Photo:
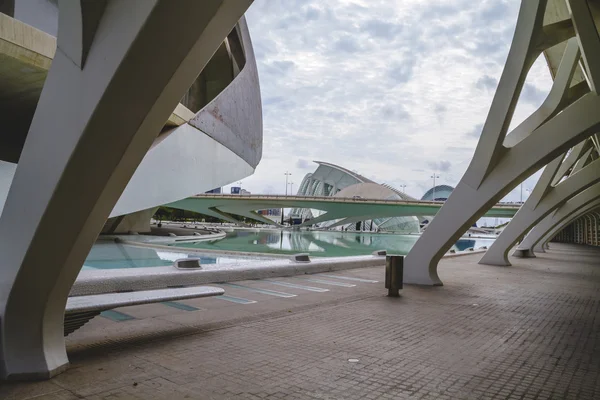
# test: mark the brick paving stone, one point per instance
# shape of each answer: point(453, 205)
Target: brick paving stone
point(529, 331)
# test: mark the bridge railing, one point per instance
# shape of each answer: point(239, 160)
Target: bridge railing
point(336, 199)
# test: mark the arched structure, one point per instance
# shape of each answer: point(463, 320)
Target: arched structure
point(387, 224)
point(549, 194)
point(106, 116)
point(332, 208)
point(568, 37)
point(212, 138)
point(330, 179)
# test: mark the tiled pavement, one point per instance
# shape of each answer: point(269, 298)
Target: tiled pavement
point(530, 331)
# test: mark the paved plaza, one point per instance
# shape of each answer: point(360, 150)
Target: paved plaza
point(530, 331)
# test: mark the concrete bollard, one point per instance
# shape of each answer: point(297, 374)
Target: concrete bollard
point(300, 258)
point(187, 263)
point(394, 273)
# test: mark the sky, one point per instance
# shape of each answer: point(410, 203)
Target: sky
point(395, 90)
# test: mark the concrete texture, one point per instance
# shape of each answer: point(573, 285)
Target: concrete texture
point(222, 206)
point(526, 332)
point(531, 213)
point(93, 158)
point(503, 159)
point(546, 229)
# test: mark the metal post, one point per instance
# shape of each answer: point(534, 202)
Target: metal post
point(521, 193)
point(286, 180)
point(394, 271)
point(286, 185)
point(433, 194)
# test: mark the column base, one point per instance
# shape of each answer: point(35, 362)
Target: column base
point(35, 375)
point(523, 253)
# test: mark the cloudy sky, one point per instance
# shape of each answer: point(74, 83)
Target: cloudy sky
point(394, 90)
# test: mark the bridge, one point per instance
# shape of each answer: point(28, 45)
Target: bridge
point(347, 210)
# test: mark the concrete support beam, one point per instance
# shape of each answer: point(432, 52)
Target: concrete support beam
point(497, 254)
point(496, 168)
point(547, 229)
point(534, 211)
point(587, 35)
point(99, 112)
point(577, 153)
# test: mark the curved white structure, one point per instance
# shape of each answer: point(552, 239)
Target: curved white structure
point(552, 224)
point(438, 193)
point(104, 115)
point(212, 138)
point(566, 32)
point(336, 181)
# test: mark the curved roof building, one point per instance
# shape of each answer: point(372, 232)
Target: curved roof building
point(108, 109)
point(438, 193)
point(330, 180)
point(211, 138)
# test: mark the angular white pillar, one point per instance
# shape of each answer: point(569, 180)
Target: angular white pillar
point(534, 211)
point(554, 223)
point(120, 69)
point(554, 172)
point(501, 162)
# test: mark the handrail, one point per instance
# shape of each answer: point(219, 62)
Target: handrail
point(335, 199)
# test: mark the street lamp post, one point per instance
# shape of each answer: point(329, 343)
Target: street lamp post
point(521, 193)
point(403, 186)
point(287, 174)
point(286, 181)
point(434, 176)
point(291, 188)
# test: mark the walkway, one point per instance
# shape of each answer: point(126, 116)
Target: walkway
point(223, 206)
point(525, 332)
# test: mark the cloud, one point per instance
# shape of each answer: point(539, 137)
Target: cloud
point(381, 87)
point(269, 189)
point(486, 82)
point(346, 44)
point(440, 111)
point(304, 164)
point(381, 29)
point(312, 14)
point(532, 95)
point(395, 112)
point(401, 73)
point(475, 131)
point(440, 166)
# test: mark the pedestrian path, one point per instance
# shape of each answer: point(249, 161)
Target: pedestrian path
point(249, 292)
point(530, 331)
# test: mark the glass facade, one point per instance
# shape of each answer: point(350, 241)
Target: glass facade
point(329, 179)
point(441, 193)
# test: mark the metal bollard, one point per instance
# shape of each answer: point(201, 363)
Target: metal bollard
point(394, 271)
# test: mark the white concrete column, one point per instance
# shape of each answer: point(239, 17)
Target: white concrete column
point(118, 73)
point(555, 222)
point(533, 212)
point(497, 167)
point(497, 254)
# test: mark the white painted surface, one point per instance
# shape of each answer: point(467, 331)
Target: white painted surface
point(7, 172)
point(185, 163)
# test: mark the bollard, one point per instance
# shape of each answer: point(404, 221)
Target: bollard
point(394, 271)
point(187, 263)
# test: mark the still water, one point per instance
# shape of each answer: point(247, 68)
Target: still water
point(320, 243)
point(109, 255)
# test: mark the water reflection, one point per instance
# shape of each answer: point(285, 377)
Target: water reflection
point(321, 243)
point(111, 255)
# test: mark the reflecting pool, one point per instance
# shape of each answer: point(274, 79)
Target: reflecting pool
point(321, 243)
point(110, 255)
